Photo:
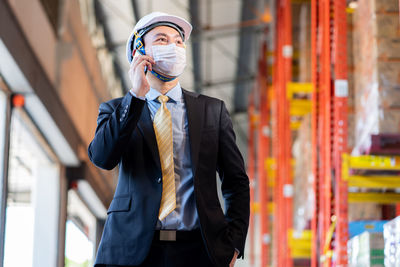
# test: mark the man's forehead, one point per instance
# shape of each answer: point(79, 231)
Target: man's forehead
point(163, 31)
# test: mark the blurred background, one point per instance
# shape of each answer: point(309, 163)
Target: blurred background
point(312, 87)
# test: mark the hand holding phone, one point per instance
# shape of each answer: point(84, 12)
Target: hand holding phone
point(137, 74)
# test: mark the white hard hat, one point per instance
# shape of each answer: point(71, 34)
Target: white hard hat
point(183, 27)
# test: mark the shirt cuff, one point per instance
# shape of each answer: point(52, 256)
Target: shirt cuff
point(140, 97)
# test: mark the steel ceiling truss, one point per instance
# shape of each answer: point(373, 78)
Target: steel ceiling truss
point(246, 48)
point(112, 47)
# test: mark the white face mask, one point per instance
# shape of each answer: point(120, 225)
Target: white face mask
point(170, 59)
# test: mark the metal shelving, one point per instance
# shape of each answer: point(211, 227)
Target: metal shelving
point(272, 120)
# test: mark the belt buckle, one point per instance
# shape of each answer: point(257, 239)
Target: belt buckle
point(167, 235)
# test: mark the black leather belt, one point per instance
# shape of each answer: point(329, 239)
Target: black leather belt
point(172, 235)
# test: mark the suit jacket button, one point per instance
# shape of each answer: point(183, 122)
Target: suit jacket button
point(159, 180)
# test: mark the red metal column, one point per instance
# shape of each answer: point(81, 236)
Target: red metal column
point(251, 174)
point(288, 167)
point(340, 128)
point(324, 119)
point(314, 131)
point(282, 75)
point(329, 127)
point(278, 253)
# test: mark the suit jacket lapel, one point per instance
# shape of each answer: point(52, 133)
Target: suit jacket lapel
point(195, 115)
point(145, 125)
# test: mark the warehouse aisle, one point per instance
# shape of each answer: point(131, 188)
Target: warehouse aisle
point(313, 90)
point(324, 136)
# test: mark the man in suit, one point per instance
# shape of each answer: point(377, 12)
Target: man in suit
point(169, 143)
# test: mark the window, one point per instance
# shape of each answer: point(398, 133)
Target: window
point(32, 210)
point(3, 114)
point(80, 233)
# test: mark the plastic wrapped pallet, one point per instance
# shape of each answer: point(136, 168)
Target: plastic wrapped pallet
point(366, 250)
point(305, 42)
point(391, 233)
point(376, 46)
point(303, 199)
point(350, 79)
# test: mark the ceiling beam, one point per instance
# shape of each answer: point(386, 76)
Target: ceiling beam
point(135, 9)
point(196, 44)
point(118, 69)
point(246, 59)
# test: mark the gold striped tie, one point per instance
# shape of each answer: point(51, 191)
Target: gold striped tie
point(163, 128)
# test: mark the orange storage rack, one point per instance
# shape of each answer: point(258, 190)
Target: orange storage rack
point(329, 76)
point(270, 138)
point(282, 135)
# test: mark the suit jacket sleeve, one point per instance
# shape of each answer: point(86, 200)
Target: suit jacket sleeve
point(235, 183)
point(115, 123)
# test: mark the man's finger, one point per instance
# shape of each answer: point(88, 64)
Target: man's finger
point(149, 66)
point(143, 59)
point(235, 255)
point(145, 63)
point(134, 60)
point(146, 57)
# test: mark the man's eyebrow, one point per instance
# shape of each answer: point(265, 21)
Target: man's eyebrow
point(165, 35)
point(160, 34)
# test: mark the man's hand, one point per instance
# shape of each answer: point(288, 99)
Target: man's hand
point(234, 259)
point(140, 85)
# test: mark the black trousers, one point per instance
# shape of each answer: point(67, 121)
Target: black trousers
point(176, 254)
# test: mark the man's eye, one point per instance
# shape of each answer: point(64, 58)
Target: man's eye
point(162, 39)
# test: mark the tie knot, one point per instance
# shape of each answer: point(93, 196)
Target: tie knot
point(163, 98)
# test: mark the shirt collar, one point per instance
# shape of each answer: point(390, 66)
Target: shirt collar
point(175, 94)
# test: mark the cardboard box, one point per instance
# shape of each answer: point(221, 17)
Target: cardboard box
point(364, 212)
point(385, 6)
point(376, 51)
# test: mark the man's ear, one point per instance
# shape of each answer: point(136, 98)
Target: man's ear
point(134, 54)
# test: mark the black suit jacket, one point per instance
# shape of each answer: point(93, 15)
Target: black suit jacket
point(125, 136)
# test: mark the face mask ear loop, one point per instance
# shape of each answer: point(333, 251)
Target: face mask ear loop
point(162, 77)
